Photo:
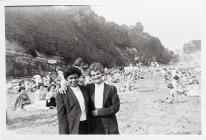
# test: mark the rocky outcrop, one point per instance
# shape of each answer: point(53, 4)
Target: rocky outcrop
point(19, 63)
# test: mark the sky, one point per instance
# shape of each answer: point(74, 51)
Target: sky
point(174, 22)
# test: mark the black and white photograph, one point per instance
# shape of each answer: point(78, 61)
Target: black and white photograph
point(103, 69)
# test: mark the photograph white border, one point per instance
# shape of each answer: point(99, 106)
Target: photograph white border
point(9, 135)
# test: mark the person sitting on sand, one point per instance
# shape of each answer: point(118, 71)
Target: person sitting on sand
point(40, 94)
point(28, 85)
point(50, 97)
point(22, 99)
point(39, 99)
point(37, 79)
point(47, 79)
point(21, 83)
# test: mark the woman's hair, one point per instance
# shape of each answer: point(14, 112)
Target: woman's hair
point(72, 70)
point(41, 84)
point(195, 81)
point(95, 67)
point(21, 82)
point(21, 88)
point(59, 69)
point(78, 62)
point(52, 85)
point(176, 77)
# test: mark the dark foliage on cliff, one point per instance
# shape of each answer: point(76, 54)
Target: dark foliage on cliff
point(149, 48)
point(76, 31)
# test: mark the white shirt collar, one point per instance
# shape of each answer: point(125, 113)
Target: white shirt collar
point(75, 88)
point(99, 85)
point(99, 91)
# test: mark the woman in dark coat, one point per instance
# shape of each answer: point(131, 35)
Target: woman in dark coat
point(72, 107)
point(104, 103)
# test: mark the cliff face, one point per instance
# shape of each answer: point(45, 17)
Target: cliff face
point(19, 63)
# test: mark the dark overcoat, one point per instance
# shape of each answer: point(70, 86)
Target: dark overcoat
point(106, 121)
point(69, 111)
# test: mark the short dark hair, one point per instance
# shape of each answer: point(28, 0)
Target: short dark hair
point(21, 88)
point(21, 82)
point(41, 84)
point(72, 70)
point(52, 85)
point(176, 77)
point(95, 67)
point(59, 69)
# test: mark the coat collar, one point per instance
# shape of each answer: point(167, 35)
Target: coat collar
point(105, 93)
point(70, 94)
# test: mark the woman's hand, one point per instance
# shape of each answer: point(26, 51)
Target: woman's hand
point(63, 88)
point(95, 112)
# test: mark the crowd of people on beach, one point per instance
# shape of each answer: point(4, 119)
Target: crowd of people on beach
point(44, 89)
point(180, 81)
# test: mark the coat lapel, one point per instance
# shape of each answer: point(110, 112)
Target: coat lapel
point(92, 92)
point(105, 94)
point(70, 94)
point(84, 95)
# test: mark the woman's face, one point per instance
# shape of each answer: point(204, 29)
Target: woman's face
point(23, 91)
point(22, 84)
point(52, 89)
point(97, 76)
point(60, 73)
point(41, 87)
point(82, 80)
point(73, 80)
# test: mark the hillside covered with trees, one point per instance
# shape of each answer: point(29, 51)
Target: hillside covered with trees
point(76, 31)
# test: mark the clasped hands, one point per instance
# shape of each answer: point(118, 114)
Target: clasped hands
point(95, 112)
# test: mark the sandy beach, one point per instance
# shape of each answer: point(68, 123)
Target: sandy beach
point(142, 111)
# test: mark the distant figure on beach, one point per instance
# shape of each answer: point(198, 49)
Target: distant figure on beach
point(37, 79)
point(47, 80)
point(166, 75)
point(173, 88)
point(79, 64)
point(39, 99)
point(40, 94)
